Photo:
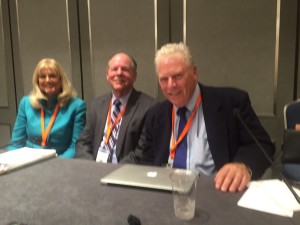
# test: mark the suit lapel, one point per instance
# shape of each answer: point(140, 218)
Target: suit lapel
point(163, 131)
point(216, 127)
point(132, 105)
point(102, 111)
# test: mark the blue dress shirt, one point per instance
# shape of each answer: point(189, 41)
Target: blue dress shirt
point(199, 156)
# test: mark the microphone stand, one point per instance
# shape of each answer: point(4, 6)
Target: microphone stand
point(236, 112)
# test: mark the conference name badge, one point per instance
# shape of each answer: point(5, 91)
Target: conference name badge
point(102, 155)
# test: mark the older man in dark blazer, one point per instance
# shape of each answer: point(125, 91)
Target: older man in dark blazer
point(216, 142)
point(95, 140)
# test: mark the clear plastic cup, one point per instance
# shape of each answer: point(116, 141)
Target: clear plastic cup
point(184, 184)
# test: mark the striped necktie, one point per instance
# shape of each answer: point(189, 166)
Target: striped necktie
point(114, 134)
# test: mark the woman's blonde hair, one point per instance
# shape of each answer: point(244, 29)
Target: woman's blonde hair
point(68, 92)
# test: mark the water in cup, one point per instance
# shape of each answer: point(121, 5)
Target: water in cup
point(184, 193)
point(184, 207)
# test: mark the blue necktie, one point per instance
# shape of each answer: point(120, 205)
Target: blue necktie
point(114, 134)
point(181, 150)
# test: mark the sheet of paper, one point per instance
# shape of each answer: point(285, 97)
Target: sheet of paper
point(271, 196)
point(23, 156)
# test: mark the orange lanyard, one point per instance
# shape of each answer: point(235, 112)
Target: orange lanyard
point(46, 133)
point(185, 129)
point(108, 128)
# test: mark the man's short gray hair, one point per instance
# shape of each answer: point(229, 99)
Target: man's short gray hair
point(174, 48)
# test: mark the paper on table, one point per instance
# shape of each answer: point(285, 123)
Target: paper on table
point(271, 196)
point(23, 156)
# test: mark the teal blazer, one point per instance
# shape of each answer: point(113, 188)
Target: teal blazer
point(64, 133)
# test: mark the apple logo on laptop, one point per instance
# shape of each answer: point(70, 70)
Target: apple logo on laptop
point(152, 174)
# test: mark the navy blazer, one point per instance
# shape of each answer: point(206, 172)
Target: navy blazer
point(132, 123)
point(228, 140)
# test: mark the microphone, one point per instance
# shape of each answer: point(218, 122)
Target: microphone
point(236, 113)
point(133, 220)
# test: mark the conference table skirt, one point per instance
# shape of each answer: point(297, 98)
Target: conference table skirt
point(68, 191)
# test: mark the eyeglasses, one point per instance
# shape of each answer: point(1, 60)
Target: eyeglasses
point(50, 76)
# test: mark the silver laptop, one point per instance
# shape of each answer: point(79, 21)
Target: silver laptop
point(140, 176)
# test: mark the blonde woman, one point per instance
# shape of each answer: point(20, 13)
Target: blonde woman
point(51, 116)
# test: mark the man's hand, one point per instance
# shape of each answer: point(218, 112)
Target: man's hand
point(232, 177)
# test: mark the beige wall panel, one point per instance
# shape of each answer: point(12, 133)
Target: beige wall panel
point(42, 32)
point(5, 134)
point(7, 89)
point(3, 75)
point(122, 26)
point(234, 45)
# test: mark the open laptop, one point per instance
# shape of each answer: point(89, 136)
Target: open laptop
point(141, 176)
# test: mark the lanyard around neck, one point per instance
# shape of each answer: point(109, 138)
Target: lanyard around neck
point(109, 126)
point(46, 133)
point(185, 129)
